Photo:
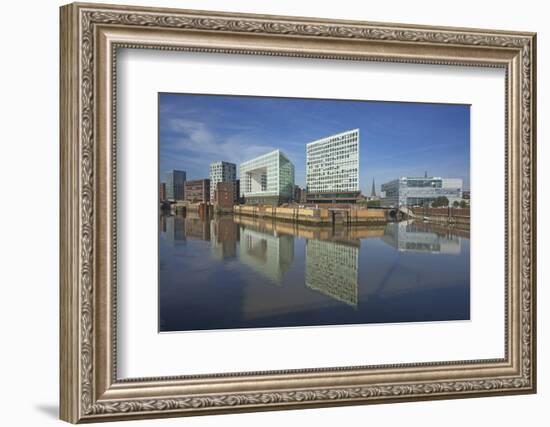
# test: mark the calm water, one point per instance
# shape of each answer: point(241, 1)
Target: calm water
point(237, 272)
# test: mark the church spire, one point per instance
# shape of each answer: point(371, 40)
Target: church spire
point(373, 191)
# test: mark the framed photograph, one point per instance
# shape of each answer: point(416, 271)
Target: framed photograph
point(267, 212)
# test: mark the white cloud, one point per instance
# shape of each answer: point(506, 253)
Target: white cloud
point(196, 136)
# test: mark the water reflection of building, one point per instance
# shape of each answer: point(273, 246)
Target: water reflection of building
point(269, 254)
point(410, 237)
point(162, 223)
point(311, 231)
point(173, 226)
point(197, 228)
point(332, 269)
point(224, 234)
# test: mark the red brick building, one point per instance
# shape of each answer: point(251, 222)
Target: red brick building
point(197, 190)
point(224, 195)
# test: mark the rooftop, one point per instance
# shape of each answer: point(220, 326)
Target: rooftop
point(332, 136)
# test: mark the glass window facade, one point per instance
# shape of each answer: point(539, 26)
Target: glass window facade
point(175, 181)
point(418, 191)
point(333, 163)
point(268, 178)
point(221, 172)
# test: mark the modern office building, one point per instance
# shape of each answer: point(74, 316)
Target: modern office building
point(222, 172)
point(332, 168)
point(162, 191)
point(267, 179)
point(418, 191)
point(303, 196)
point(298, 192)
point(175, 180)
point(238, 191)
point(197, 190)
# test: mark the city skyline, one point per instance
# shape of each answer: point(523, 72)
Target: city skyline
point(397, 139)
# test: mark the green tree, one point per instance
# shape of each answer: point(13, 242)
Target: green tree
point(463, 204)
point(440, 202)
point(455, 204)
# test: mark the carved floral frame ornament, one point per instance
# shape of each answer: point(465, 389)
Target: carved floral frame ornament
point(90, 36)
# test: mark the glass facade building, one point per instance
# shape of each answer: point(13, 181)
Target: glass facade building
point(419, 191)
point(332, 168)
point(175, 182)
point(222, 172)
point(267, 179)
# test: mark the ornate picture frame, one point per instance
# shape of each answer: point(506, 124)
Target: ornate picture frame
point(90, 37)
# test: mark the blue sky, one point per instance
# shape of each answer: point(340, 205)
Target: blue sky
point(397, 139)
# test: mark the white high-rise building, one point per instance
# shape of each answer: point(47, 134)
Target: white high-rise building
point(222, 172)
point(332, 173)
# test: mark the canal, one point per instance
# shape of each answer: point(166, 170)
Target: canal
point(233, 272)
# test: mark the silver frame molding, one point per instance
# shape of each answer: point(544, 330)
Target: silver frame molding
point(90, 37)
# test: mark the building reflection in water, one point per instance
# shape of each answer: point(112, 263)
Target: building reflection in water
point(196, 227)
point(418, 237)
point(332, 268)
point(173, 227)
point(316, 270)
point(224, 235)
point(180, 228)
point(162, 223)
point(267, 253)
point(331, 255)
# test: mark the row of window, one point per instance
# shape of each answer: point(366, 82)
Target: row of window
point(333, 165)
point(336, 188)
point(332, 161)
point(331, 181)
point(331, 170)
point(348, 145)
point(331, 153)
point(331, 143)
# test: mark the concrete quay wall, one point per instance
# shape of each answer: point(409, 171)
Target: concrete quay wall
point(314, 216)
